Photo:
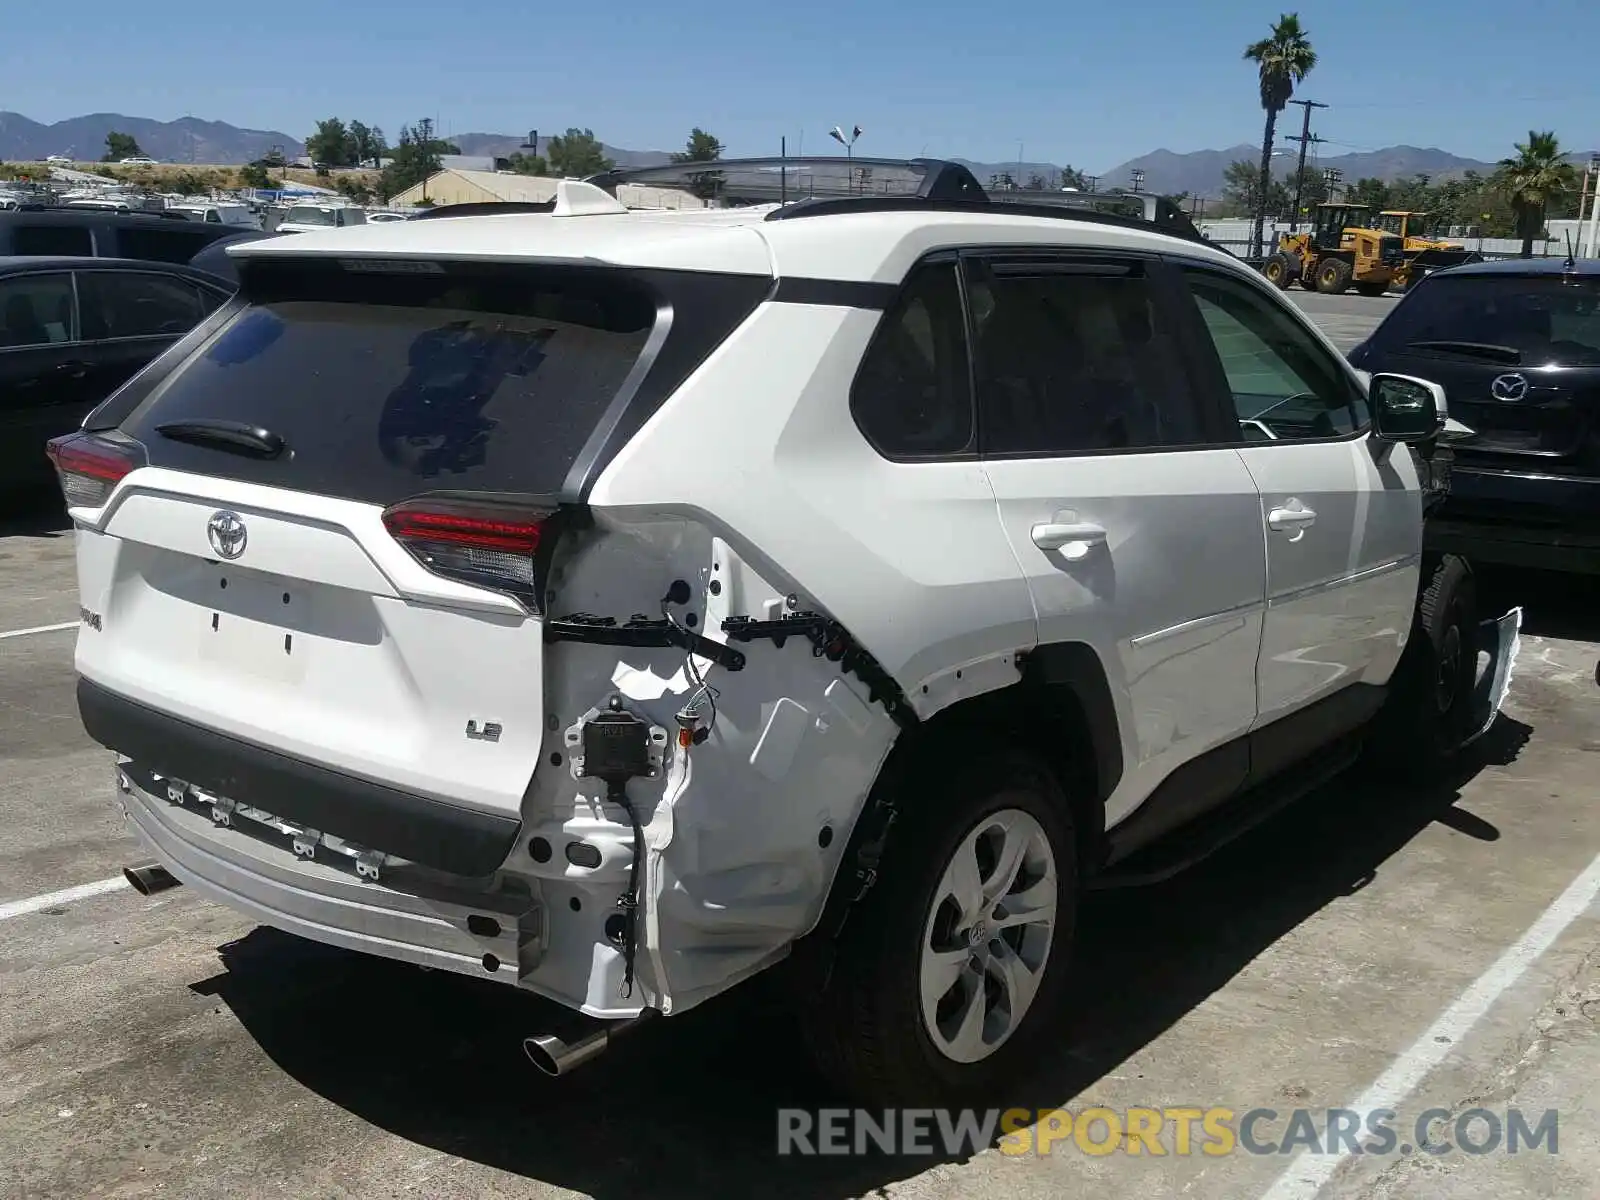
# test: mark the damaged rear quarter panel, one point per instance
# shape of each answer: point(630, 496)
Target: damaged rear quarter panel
point(745, 830)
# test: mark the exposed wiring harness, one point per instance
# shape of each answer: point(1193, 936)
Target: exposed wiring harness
point(704, 697)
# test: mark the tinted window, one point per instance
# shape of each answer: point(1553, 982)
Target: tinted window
point(51, 239)
point(36, 310)
point(1073, 360)
point(1538, 320)
point(912, 397)
point(1285, 385)
point(212, 217)
point(386, 385)
point(131, 304)
point(310, 215)
point(164, 244)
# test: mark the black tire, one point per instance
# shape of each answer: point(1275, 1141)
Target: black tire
point(1372, 289)
point(1333, 276)
point(1428, 714)
point(1279, 270)
point(865, 1029)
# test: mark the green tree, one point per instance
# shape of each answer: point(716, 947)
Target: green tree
point(1071, 177)
point(366, 141)
point(120, 146)
point(528, 164)
point(331, 145)
point(577, 154)
point(1532, 180)
point(1241, 192)
point(353, 188)
point(415, 159)
point(1282, 61)
point(254, 175)
point(1374, 193)
point(701, 147)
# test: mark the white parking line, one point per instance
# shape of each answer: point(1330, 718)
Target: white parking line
point(1305, 1176)
point(11, 633)
point(33, 904)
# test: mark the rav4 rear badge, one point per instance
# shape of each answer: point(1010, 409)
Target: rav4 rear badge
point(227, 534)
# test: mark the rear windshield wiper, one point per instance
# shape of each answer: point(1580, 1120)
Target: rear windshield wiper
point(233, 436)
point(1506, 354)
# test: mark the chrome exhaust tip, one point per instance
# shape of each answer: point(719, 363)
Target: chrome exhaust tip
point(555, 1057)
point(149, 878)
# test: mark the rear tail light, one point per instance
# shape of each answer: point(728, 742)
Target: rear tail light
point(486, 545)
point(89, 467)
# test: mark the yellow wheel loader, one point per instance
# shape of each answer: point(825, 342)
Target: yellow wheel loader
point(1425, 251)
point(1340, 251)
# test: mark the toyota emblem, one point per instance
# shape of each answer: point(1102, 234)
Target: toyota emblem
point(1509, 388)
point(227, 534)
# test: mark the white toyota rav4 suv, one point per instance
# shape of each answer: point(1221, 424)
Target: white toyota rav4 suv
point(618, 604)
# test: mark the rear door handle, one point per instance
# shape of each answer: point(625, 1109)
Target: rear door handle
point(1296, 517)
point(1056, 535)
point(73, 370)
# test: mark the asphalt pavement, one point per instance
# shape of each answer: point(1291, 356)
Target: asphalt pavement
point(1375, 946)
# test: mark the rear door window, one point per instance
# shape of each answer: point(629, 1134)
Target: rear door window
point(385, 385)
point(170, 243)
point(136, 304)
point(1077, 357)
point(51, 239)
point(37, 310)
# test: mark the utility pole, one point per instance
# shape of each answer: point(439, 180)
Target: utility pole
point(1305, 139)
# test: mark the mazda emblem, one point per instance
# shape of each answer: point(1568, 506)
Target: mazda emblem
point(1509, 388)
point(227, 534)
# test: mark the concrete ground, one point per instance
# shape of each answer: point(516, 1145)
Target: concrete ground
point(1373, 946)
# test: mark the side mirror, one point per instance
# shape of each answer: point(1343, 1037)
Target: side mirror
point(1405, 408)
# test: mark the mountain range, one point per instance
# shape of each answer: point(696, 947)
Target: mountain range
point(189, 139)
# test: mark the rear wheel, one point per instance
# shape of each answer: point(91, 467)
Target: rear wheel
point(1429, 712)
point(1333, 276)
point(950, 970)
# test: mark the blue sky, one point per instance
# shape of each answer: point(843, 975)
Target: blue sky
point(1087, 84)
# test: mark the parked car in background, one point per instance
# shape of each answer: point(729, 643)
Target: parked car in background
point(59, 160)
point(139, 160)
point(1516, 346)
point(72, 330)
point(380, 217)
point(304, 218)
point(105, 234)
point(237, 216)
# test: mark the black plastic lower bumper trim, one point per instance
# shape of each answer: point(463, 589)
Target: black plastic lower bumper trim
point(411, 826)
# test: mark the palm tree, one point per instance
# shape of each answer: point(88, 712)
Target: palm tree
point(1537, 175)
point(1284, 59)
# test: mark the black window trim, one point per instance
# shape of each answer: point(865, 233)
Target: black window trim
point(77, 311)
point(154, 268)
point(1214, 377)
point(1165, 284)
point(890, 308)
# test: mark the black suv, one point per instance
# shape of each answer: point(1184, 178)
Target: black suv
point(1516, 345)
point(73, 330)
point(103, 233)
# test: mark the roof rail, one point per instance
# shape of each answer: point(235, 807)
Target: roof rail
point(826, 185)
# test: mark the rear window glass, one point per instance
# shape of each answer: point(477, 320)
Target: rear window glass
point(51, 239)
point(1522, 320)
point(384, 386)
point(163, 244)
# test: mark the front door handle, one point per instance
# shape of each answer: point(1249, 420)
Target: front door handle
point(1296, 517)
point(73, 370)
point(1058, 535)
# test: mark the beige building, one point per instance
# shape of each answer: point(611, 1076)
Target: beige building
point(453, 186)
